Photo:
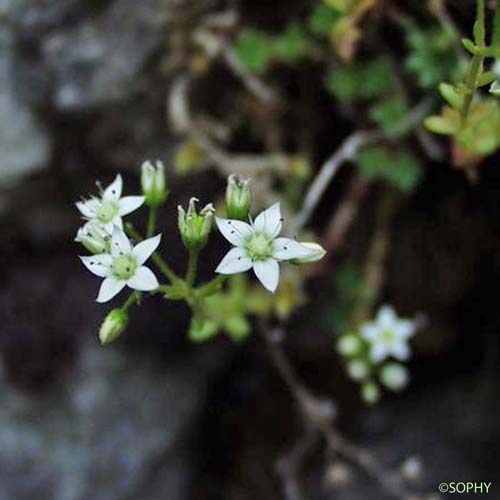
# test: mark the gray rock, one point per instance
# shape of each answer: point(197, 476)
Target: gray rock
point(118, 429)
point(24, 142)
point(98, 60)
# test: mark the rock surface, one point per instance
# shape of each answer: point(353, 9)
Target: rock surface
point(119, 428)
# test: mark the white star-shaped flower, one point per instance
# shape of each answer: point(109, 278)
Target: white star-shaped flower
point(257, 246)
point(388, 335)
point(123, 266)
point(109, 208)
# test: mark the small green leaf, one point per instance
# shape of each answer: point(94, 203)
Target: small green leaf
point(237, 327)
point(361, 81)
point(323, 19)
point(254, 50)
point(486, 78)
point(399, 167)
point(469, 46)
point(449, 93)
point(390, 113)
point(202, 329)
point(440, 125)
point(433, 56)
point(293, 44)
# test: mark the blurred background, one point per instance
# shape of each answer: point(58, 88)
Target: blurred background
point(91, 88)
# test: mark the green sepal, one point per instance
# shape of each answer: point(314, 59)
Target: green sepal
point(202, 329)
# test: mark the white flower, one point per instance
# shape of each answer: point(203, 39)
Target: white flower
point(109, 208)
point(94, 237)
point(388, 335)
point(123, 266)
point(257, 246)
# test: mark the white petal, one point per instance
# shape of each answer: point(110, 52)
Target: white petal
point(117, 221)
point(378, 353)
point(405, 328)
point(120, 244)
point(114, 190)
point(400, 350)
point(268, 272)
point(269, 221)
point(386, 317)
point(143, 279)
point(235, 261)
point(109, 288)
point(98, 264)
point(87, 208)
point(370, 332)
point(143, 250)
point(286, 249)
point(235, 231)
point(128, 204)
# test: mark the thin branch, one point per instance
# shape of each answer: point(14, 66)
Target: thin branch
point(320, 413)
point(346, 152)
point(289, 466)
point(214, 46)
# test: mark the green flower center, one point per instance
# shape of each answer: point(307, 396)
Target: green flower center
point(388, 337)
point(259, 247)
point(107, 211)
point(124, 266)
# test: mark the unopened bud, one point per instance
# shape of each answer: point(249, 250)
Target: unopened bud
point(370, 393)
point(394, 376)
point(154, 185)
point(195, 227)
point(94, 238)
point(238, 197)
point(316, 253)
point(358, 369)
point(349, 345)
point(113, 325)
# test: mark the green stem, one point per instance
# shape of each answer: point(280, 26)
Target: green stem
point(153, 211)
point(476, 65)
point(495, 39)
point(192, 267)
point(480, 25)
point(212, 287)
point(475, 70)
point(156, 257)
point(133, 299)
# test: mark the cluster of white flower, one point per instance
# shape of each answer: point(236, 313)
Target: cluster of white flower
point(256, 245)
point(368, 350)
point(114, 258)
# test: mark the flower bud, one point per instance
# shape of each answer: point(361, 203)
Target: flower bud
point(195, 227)
point(94, 237)
point(370, 393)
point(153, 183)
point(349, 344)
point(113, 325)
point(358, 369)
point(238, 197)
point(316, 253)
point(394, 376)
